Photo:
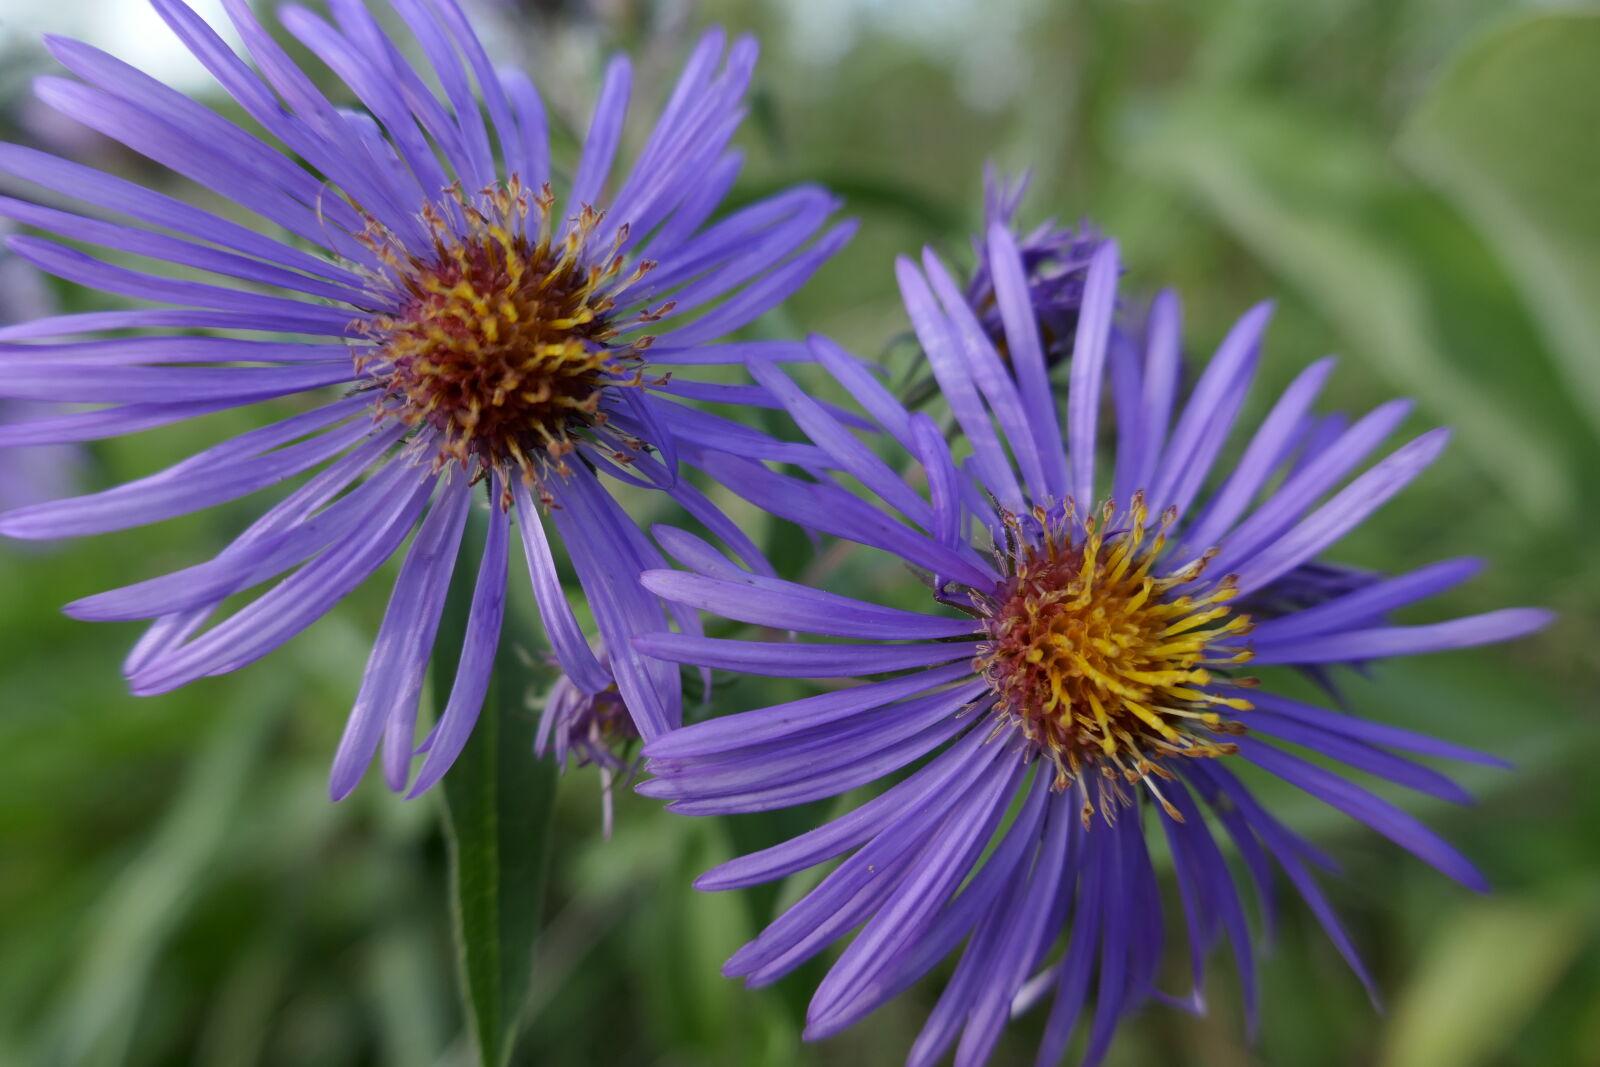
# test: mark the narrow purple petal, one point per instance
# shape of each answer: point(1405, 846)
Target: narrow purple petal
point(1163, 357)
point(98, 384)
point(1088, 367)
point(560, 626)
point(1027, 358)
point(1398, 826)
point(788, 606)
point(1265, 451)
point(1376, 733)
point(605, 129)
point(476, 666)
point(1371, 602)
point(1321, 473)
point(288, 608)
point(1344, 512)
point(1203, 427)
point(224, 472)
point(1384, 641)
point(733, 732)
point(787, 659)
point(393, 677)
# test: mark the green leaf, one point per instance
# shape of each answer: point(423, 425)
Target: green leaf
point(497, 805)
point(1312, 199)
point(1486, 971)
point(1509, 132)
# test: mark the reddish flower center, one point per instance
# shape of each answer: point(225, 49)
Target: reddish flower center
point(501, 338)
point(1102, 662)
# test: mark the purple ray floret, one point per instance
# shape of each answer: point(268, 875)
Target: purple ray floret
point(1076, 678)
point(447, 311)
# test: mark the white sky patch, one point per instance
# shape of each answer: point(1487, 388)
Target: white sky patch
point(128, 29)
point(981, 41)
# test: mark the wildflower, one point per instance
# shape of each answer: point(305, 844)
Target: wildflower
point(482, 328)
point(1055, 264)
point(1077, 679)
point(593, 727)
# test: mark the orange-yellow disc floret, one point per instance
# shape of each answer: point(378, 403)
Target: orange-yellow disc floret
point(1103, 663)
point(500, 337)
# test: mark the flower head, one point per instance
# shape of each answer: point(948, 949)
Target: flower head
point(483, 321)
point(1075, 679)
point(1055, 263)
point(593, 729)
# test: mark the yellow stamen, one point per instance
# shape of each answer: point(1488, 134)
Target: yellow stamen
point(1104, 664)
point(500, 339)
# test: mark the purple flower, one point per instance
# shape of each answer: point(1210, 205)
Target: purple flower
point(1074, 681)
point(479, 325)
point(591, 728)
point(1055, 264)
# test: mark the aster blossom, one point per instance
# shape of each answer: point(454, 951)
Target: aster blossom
point(590, 729)
point(1077, 680)
point(445, 317)
point(1055, 264)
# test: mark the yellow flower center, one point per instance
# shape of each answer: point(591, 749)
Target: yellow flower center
point(1101, 662)
point(500, 337)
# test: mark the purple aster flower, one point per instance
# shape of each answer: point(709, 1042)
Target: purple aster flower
point(590, 728)
point(1055, 264)
point(1075, 682)
point(478, 325)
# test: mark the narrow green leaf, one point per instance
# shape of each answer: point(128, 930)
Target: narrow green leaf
point(497, 804)
point(1509, 133)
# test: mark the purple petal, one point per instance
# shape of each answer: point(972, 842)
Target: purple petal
point(1280, 510)
point(91, 383)
point(771, 723)
point(787, 606)
point(1344, 512)
point(1399, 826)
point(1264, 453)
point(786, 659)
point(224, 472)
point(1385, 641)
point(291, 606)
point(476, 666)
point(1203, 427)
point(1163, 356)
point(1370, 602)
point(939, 341)
point(1375, 733)
point(1027, 357)
point(1088, 368)
point(560, 625)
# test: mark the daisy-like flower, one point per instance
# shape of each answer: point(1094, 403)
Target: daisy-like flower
point(590, 729)
point(484, 321)
point(1076, 681)
point(1055, 264)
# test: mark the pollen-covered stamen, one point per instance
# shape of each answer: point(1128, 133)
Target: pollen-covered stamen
point(501, 337)
point(1103, 663)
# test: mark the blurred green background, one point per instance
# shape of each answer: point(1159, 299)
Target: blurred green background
point(1414, 182)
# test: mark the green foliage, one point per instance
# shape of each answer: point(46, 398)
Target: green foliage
point(497, 805)
point(1508, 133)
